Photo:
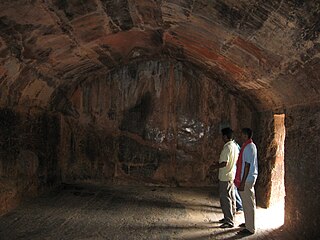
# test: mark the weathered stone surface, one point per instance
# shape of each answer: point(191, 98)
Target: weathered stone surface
point(60, 56)
point(157, 121)
point(28, 156)
point(269, 134)
point(134, 212)
point(263, 49)
point(264, 136)
point(302, 170)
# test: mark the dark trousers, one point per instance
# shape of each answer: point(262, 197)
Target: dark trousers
point(227, 200)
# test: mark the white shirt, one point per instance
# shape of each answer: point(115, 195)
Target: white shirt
point(229, 154)
point(250, 156)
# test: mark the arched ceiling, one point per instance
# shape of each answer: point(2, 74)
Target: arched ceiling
point(267, 51)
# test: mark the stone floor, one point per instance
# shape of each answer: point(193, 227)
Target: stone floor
point(100, 212)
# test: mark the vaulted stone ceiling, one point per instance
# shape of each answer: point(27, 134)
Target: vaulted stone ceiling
point(265, 51)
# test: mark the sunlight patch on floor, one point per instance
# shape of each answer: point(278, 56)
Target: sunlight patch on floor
point(204, 212)
point(270, 218)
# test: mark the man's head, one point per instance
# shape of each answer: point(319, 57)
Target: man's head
point(227, 134)
point(246, 133)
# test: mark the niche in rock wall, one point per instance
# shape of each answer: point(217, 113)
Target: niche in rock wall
point(152, 121)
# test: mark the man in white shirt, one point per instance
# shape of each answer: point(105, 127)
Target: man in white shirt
point(226, 165)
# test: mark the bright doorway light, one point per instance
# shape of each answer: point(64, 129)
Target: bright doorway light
point(276, 210)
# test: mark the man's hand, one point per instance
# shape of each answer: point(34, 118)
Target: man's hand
point(212, 168)
point(217, 165)
point(245, 175)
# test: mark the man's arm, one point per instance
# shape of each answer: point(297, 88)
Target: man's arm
point(223, 160)
point(216, 166)
point(245, 175)
point(219, 165)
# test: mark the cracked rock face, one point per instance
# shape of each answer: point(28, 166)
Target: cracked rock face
point(158, 120)
point(263, 50)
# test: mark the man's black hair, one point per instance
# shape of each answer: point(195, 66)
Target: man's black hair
point(227, 132)
point(248, 132)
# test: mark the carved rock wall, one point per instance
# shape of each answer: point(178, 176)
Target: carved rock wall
point(302, 170)
point(264, 51)
point(269, 134)
point(28, 155)
point(156, 121)
point(264, 138)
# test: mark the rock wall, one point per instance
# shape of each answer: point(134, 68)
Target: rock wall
point(269, 133)
point(302, 170)
point(28, 156)
point(277, 176)
point(155, 121)
point(264, 135)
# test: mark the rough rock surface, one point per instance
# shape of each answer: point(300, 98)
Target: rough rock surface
point(302, 169)
point(134, 212)
point(28, 153)
point(158, 120)
point(57, 58)
point(266, 50)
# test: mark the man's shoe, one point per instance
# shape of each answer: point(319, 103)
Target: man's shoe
point(242, 225)
point(239, 211)
point(222, 220)
point(244, 232)
point(226, 225)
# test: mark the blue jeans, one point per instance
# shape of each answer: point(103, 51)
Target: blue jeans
point(238, 199)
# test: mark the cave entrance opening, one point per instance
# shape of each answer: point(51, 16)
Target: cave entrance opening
point(276, 208)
